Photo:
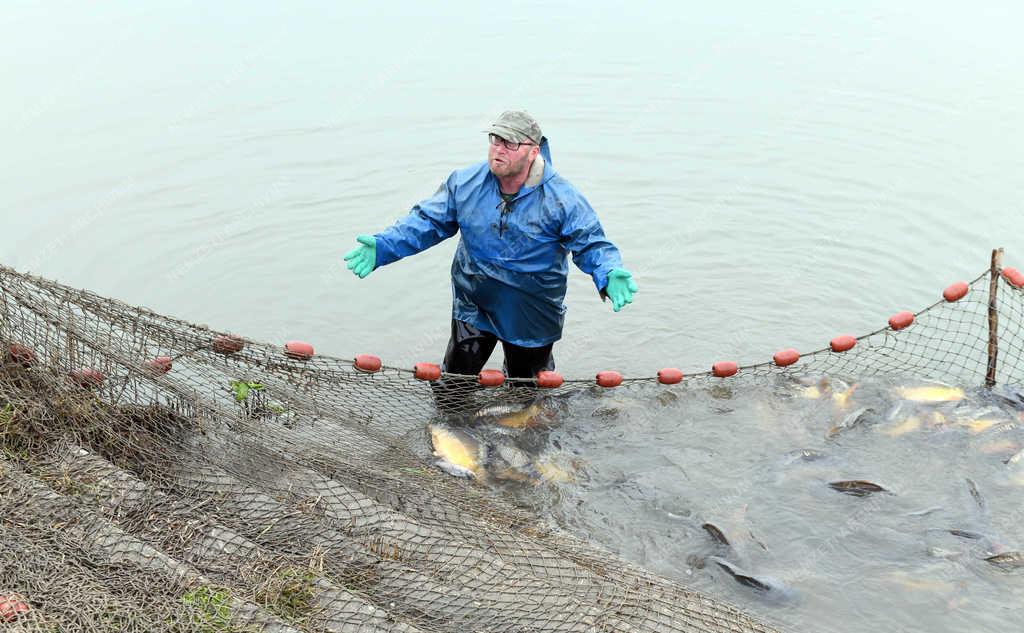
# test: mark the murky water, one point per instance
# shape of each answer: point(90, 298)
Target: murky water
point(842, 508)
point(773, 175)
point(852, 563)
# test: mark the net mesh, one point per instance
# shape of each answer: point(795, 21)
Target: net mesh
point(158, 475)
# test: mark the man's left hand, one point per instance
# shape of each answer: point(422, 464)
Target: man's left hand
point(620, 288)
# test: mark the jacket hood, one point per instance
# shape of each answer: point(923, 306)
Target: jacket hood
point(541, 170)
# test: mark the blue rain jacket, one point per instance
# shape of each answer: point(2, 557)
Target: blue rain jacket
point(509, 270)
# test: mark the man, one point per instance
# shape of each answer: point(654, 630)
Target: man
point(519, 219)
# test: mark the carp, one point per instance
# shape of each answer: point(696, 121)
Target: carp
point(551, 472)
point(856, 487)
point(763, 584)
point(976, 495)
point(909, 424)
point(459, 452)
point(931, 393)
point(1007, 560)
point(515, 417)
point(861, 416)
point(715, 533)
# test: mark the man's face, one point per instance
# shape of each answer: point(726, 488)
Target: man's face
point(504, 162)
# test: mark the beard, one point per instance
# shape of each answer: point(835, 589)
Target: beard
point(507, 169)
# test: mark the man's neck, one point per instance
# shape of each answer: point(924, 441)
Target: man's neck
point(512, 184)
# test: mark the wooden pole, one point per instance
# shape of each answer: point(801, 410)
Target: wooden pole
point(993, 316)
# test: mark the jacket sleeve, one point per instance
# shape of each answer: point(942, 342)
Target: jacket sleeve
point(431, 221)
point(583, 236)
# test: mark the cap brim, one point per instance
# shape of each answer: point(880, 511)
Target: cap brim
point(509, 134)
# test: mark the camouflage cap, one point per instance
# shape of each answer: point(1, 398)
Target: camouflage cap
point(516, 126)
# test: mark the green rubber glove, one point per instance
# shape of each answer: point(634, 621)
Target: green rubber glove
point(620, 288)
point(362, 259)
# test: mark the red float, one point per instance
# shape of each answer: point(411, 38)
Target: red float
point(786, 357)
point(842, 343)
point(725, 368)
point(491, 377)
point(298, 350)
point(609, 378)
point(21, 354)
point(87, 377)
point(159, 365)
point(901, 320)
point(955, 292)
point(228, 344)
point(549, 379)
point(1014, 276)
point(11, 608)
point(669, 376)
point(367, 362)
point(427, 371)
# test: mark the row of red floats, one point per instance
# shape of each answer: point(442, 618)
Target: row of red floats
point(299, 350)
point(672, 375)
point(89, 377)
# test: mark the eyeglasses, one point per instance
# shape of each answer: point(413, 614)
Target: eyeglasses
point(509, 145)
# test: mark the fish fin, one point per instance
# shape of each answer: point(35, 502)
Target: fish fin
point(454, 469)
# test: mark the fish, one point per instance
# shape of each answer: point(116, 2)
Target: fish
point(931, 393)
point(823, 387)
point(811, 393)
point(551, 472)
point(856, 487)
point(978, 425)
point(757, 540)
point(804, 455)
point(606, 413)
point(1007, 560)
point(510, 463)
point(856, 418)
point(981, 543)
point(460, 453)
point(528, 418)
point(715, 533)
point(741, 576)
point(513, 456)
point(765, 584)
point(1015, 459)
point(736, 535)
point(911, 423)
point(813, 388)
point(511, 474)
point(497, 410)
point(967, 534)
point(978, 499)
point(1003, 427)
point(1015, 465)
point(842, 398)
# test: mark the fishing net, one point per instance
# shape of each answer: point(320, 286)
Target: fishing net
point(157, 475)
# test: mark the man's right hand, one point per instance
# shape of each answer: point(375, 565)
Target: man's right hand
point(363, 258)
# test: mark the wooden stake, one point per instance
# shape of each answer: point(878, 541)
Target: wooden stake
point(993, 317)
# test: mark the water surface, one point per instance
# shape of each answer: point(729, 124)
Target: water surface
point(773, 176)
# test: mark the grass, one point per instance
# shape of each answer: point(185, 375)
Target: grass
point(212, 608)
point(289, 594)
